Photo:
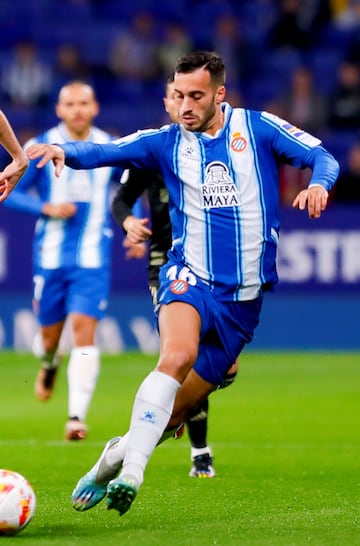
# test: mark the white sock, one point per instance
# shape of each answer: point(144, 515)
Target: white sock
point(195, 451)
point(152, 409)
point(82, 373)
point(115, 456)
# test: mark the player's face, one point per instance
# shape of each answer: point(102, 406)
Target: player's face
point(198, 101)
point(170, 103)
point(77, 107)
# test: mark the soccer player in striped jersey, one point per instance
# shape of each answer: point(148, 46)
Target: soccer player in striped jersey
point(134, 183)
point(220, 166)
point(71, 253)
point(12, 173)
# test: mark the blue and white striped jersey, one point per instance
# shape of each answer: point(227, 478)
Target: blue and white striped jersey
point(83, 240)
point(223, 191)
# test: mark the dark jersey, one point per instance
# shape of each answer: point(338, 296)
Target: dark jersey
point(138, 181)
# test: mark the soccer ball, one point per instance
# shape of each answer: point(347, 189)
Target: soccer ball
point(17, 502)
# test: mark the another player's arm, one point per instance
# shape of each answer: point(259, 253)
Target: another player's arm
point(122, 207)
point(12, 173)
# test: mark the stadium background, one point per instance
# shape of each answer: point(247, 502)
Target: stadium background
point(317, 301)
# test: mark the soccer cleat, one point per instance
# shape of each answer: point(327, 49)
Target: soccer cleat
point(45, 382)
point(121, 493)
point(91, 488)
point(202, 467)
point(87, 492)
point(75, 430)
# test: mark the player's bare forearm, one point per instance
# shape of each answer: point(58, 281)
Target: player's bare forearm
point(314, 199)
point(61, 210)
point(47, 153)
point(11, 175)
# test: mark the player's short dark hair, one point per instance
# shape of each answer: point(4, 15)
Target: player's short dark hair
point(169, 80)
point(209, 60)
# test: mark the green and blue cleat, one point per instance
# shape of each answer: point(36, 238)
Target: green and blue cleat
point(121, 493)
point(92, 487)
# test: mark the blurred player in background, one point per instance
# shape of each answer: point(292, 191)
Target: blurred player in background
point(71, 254)
point(221, 169)
point(12, 173)
point(134, 183)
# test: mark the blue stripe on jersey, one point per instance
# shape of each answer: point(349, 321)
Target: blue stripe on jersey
point(262, 199)
point(237, 217)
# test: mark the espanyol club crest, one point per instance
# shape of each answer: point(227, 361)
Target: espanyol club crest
point(179, 286)
point(238, 143)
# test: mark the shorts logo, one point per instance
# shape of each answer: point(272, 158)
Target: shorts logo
point(179, 287)
point(238, 143)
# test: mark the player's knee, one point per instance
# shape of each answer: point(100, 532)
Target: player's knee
point(177, 362)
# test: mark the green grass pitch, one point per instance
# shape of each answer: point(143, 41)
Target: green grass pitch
point(286, 441)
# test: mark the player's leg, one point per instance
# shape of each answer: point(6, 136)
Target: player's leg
point(208, 373)
point(179, 326)
point(49, 307)
point(86, 301)
point(82, 374)
point(45, 348)
point(201, 453)
point(197, 424)
point(92, 487)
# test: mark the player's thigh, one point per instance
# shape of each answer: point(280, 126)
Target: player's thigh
point(179, 327)
point(179, 324)
point(49, 296)
point(88, 292)
point(50, 335)
point(83, 329)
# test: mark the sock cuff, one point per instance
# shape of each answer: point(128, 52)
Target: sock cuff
point(86, 350)
point(158, 388)
point(164, 377)
point(195, 451)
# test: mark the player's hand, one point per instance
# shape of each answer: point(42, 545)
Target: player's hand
point(47, 152)
point(11, 175)
point(134, 250)
point(136, 229)
point(62, 211)
point(314, 198)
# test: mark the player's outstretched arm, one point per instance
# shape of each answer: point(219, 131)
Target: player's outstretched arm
point(314, 198)
point(11, 175)
point(47, 153)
